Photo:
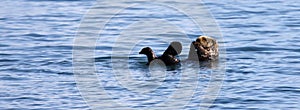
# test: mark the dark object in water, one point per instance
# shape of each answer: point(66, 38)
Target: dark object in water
point(168, 57)
point(203, 49)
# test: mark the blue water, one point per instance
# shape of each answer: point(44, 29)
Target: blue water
point(262, 56)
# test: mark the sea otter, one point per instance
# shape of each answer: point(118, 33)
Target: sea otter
point(168, 57)
point(203, 49)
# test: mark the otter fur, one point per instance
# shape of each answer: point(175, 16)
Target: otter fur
point(204, 48)
point(168, 57)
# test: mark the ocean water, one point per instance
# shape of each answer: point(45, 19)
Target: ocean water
point(259, 66)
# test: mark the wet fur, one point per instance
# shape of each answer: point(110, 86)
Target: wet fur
point(168, 57)
point(204, 48)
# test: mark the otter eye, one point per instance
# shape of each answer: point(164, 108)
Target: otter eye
point(206, 48)
point(204, 39)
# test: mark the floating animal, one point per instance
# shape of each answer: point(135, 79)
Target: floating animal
point(203, 49)
point(168, 57)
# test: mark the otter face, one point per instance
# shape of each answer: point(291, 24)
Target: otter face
point(146, 51)
point(206, 47)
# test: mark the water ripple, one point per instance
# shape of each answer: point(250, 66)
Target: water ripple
point(261, 39)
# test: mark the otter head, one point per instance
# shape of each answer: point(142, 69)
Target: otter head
point(206, 47)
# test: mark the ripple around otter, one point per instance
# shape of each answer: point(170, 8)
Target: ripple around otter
point(262, 54)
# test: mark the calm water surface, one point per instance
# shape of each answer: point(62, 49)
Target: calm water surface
point(262, 55)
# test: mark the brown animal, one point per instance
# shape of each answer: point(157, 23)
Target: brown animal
point(204, 48)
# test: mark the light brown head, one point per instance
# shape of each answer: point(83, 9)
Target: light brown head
point(206, 47)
